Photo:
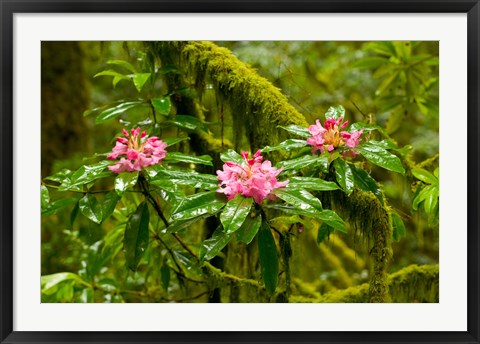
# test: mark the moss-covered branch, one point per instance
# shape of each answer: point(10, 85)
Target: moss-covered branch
point(411, 284)
point(255, 102)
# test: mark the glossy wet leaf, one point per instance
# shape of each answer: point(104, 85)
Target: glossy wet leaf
point(136, 237)
point(86, 174)
point(335, 112)
point(109, 203)
point(232, 156)
point(364, 182)
point(191, 159)
point(235, 213)
point(324, 232)
point(44, 196)
point(357, 126)
point(139, 80)
point(381, 157)
point(286, 145)
point(198, 204)
point(303, 162)
point(299, 199)
point(344, 175)
point(211, 247)
point(162, 105)
point(297, 130)
point(196, 180)
point(424, 176)
point(267, 253)
point(60, 177)
point(398, 227)
point(124, 181)
point(249, 229)
point(309, 183)
point(116, 111)
point(90, 207)
point(55, 206)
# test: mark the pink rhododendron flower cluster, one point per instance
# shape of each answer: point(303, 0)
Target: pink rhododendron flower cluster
point(253, 178)
point(331, 137)
point(137, 151)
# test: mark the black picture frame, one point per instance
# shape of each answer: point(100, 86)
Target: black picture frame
point(10, 7)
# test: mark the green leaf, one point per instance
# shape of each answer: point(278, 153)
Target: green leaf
point(139, 80)
point(232, 156)
point(267, 252)
point(249, 229)
point(357, 126)
point(364, 182)
point(91, 208)
point(187, 122)
point(286, 145)
point(309, 183)
point(200, 204)
point(370, 62)
point(328, 216)
point(235, 212)
point(124, 181)
point(109, 204)
point(332, 219)
point(344, 175)
point(297, 130)
point(49, 283)
point(398, 226)
point(54, 207)
point(123, 64)
point(73, 214)
point(381, 157)
point(303, 162)
point(424, 176)
point(113, 73)
point(431, 199)
point(116, 111)
point(60, 177)
point(162, 105)
point(44, 196)
point(381, 47)
point(136, 236)
point(324, 232)
point(300, 199)
point(211, 247)
point(190, 159)
point(170, 141)
point(196, 180)
point(389, 80)
point(335, 112)
point(165, 276)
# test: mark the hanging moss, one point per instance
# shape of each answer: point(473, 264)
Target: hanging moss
point(367, 215)
point(411, 284)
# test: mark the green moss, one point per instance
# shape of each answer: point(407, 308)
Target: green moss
point(367, 215)
point(256, 104)
point(411, 284)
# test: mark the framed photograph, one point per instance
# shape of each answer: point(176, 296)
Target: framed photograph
point(234, 171)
